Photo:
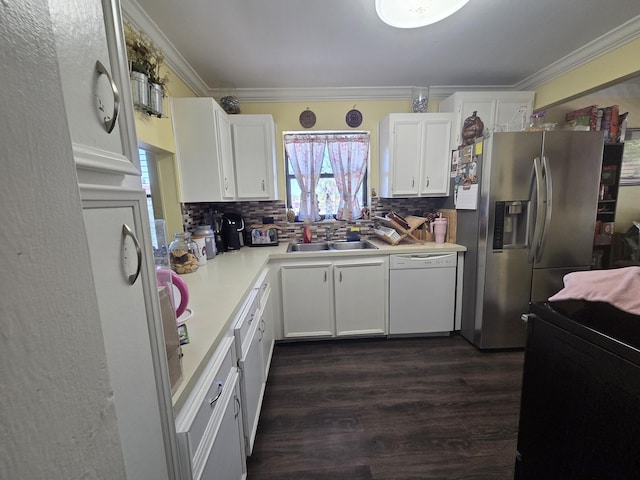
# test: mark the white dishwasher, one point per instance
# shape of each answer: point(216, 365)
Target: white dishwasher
point(422, 293)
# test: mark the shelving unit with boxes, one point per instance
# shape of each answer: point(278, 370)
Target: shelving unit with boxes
point(607, 200)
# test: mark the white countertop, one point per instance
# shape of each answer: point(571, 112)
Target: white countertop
point(217, 289)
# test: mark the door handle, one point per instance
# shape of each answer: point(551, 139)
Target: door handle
point(548, 204)
point(536, 181)
point(110, 122)
point(215, 399)
point(127, 232)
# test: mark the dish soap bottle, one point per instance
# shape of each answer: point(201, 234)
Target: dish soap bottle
point(306, 233)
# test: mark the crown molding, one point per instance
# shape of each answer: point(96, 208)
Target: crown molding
point(138, 18)
point(619, 36)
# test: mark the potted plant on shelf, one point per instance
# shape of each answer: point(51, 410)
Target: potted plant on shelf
point(145, 60)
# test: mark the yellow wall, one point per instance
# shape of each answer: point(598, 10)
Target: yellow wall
point(329, 116)
point(156, 134)
point(618, 64)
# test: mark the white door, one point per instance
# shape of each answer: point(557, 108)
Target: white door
point(225, 147)
point(253, 382)
point(406, 157)
point(95, 87)
point(360, 297)
point(254, 155)
point(267, 329)
point(436, 156)
point(307, 300)
point(124, 323)
point(225, 460)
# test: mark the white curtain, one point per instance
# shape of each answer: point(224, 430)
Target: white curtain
point(348, 155)
point(305, 154)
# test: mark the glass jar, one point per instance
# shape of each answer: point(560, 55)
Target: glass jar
point(183, 254)
point(419, 99)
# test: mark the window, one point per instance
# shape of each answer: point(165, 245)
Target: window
point(146, 165)
point(326, 174)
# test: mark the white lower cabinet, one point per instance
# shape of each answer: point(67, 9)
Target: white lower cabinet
point(267, 328)
point(225, 457)
point(209, 425)
point(360, 297)
point(252, 350)
point(307, 300)
point(335, 298)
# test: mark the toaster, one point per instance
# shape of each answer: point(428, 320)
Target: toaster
point(263, 237)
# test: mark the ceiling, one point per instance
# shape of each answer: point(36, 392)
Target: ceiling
point(328, 44)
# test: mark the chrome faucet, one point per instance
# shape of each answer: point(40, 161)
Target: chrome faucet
point(330, 230)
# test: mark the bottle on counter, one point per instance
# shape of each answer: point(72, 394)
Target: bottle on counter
point(206, 232)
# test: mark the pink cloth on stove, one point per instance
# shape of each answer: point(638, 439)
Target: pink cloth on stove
point(619, 287)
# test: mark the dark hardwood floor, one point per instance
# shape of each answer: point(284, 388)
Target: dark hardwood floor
point(419, 408)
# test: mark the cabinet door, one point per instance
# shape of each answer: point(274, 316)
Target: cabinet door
point(267, 329)
point(123, 311)
point(225, 153)
point(225, 458)
point(406, 157)
point(93, 69)
point(360, 297)
point(254, 156)
point(252, 385)
point(203, 150)
point(512, 114)
point(436, 155)
point(307, 300)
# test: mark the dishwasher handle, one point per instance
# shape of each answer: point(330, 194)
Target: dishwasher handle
point(423, 256)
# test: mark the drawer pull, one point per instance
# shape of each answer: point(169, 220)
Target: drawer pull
point(237, 412)
point(215, 399)
point(110, 122)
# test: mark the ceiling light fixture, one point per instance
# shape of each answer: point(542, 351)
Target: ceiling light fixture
point(416, 13)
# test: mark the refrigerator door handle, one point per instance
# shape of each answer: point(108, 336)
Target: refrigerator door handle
point(546, 174)
point(536, 181)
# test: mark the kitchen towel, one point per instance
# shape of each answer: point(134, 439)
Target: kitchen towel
point(619, 287)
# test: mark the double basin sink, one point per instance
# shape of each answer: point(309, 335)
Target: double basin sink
point(330, 246)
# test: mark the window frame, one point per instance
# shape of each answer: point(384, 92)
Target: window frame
point(291, 177)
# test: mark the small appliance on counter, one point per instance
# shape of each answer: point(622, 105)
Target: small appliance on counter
point(218, 221)
point(263, 235)
point(233, 231)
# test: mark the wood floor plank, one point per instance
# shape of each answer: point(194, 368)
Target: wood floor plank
point(383, 409)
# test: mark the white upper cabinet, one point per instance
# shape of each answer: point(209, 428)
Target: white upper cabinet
point(254, 155)
point(95, 84)
point(204, 151)
point(415, 154)
point(499, 111)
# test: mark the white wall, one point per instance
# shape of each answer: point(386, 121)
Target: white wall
point(57, 420)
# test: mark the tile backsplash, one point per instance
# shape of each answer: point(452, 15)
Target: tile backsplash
point(194, 214)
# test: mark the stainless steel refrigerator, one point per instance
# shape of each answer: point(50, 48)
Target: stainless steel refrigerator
point(534, 223)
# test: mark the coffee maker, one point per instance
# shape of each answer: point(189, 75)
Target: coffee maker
point(218, 227)
point(233, 231)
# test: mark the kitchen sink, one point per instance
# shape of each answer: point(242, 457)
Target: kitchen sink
point(308, 247)
point(329, 246)
point(359, 245)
